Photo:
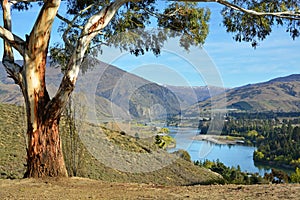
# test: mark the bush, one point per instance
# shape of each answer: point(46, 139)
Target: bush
point(165, 141)
point(295, 177)
point(183, 154)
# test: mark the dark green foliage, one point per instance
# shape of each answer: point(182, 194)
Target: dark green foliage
point(231, 174)
point(203, 126)
point(192, 31)
point(249, 28)
point(242, 105)
point(281, 147)
point(157, 139)
point(277, 141)
point(203, 129)
point(128, 29)
point(22, 6)
point(188, 21)
point(277, 176)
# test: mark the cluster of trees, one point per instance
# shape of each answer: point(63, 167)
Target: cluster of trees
point(281, 146)
point(264, 115)
point(277, 141)
point(236, 176)
point(231, 174)
point(279, 176)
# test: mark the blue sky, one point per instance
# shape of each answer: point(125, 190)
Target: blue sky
point(221, 61)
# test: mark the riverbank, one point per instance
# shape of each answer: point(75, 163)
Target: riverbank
point(276, 165)
point(220, 139)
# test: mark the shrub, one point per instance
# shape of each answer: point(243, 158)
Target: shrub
point(295, 177)
point(183, 154)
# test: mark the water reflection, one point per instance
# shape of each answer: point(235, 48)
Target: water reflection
point(230, 155)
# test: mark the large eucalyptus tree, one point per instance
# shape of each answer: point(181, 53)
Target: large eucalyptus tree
point(88, 24)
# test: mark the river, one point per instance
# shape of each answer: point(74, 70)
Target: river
point(230, 155)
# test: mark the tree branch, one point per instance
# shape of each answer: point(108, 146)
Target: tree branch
point(65, 34)
point(25, 1)
point(11, 67)
point(292, 15)
point(161, 15)
point(15, 41)
point(72, 24)
point(42, 28)
point(93, 26)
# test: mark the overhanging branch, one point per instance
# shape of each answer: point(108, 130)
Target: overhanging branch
point(289, 14)
point(72, 24)
point(93, 26)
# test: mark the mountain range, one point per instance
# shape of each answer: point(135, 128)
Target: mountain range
point(279, 95)
point(119, 94)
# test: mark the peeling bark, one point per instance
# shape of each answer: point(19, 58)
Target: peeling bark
point(44, 153)
point(45, 157)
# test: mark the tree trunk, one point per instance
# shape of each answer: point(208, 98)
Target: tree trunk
point(45, 158)
point(44, 152)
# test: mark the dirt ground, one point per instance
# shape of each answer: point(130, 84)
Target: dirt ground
point(81, 188)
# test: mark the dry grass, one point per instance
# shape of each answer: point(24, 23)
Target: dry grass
point(80, 188)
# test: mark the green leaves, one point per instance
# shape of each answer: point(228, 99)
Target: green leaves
point(129, 29)
point(188, 21)
point(254, 27)
point(248, 21)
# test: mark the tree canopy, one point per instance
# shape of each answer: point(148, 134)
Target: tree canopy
point(249, 21)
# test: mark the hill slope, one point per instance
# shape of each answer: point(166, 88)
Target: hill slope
point(179, 172)
point(280, 94)
point(112, 88)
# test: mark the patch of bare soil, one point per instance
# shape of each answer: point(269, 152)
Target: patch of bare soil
point(81, 188)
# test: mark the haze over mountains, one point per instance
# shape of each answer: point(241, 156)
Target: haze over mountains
point(117, 93)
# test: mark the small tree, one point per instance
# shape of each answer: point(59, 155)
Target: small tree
point(73, 150)
point(295, 177)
